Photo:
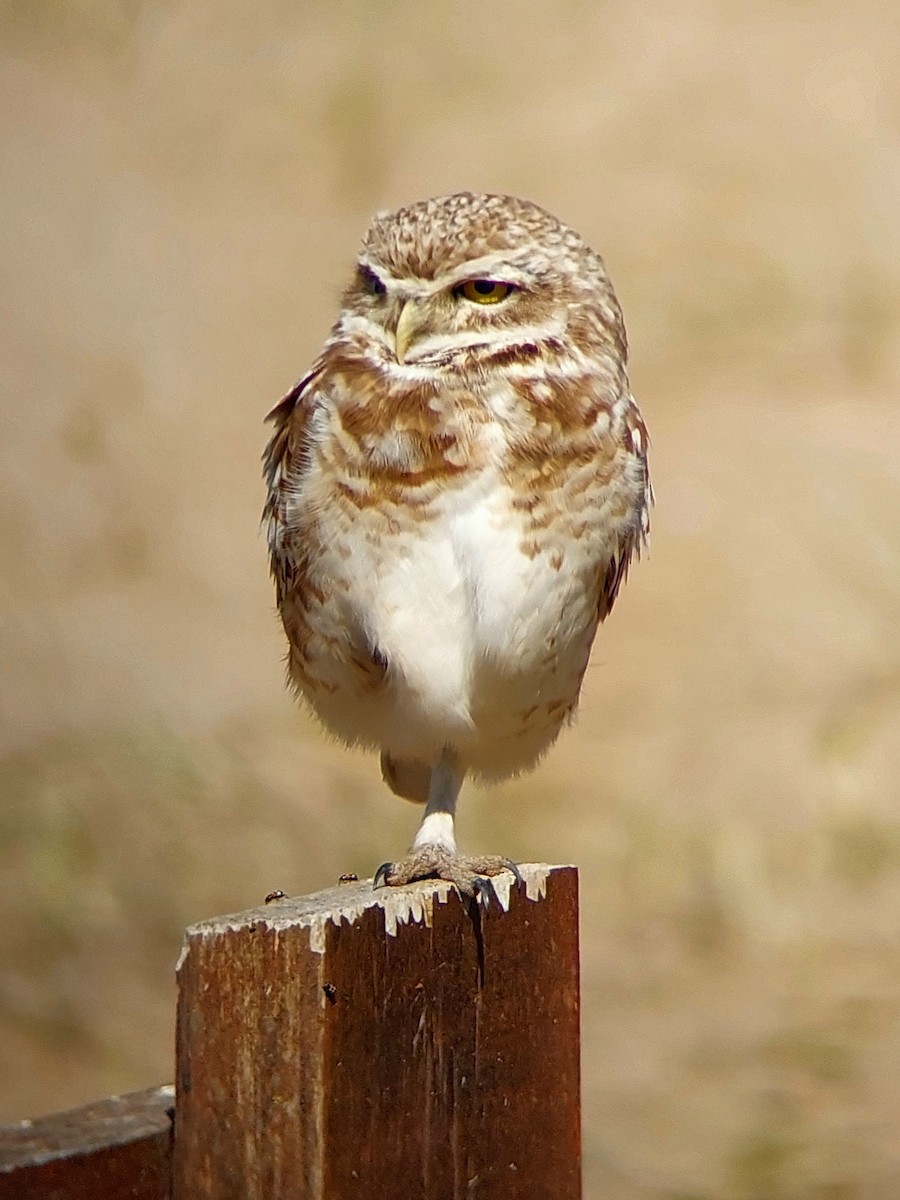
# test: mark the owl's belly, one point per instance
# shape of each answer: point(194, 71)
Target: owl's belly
point(456, 629)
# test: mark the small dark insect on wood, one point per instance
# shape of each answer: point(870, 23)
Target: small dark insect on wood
point(330, 992)
point(349, 877)
point(278, 894)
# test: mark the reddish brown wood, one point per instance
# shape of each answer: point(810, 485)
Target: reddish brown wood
point(116, 1148)
point(345, 1045)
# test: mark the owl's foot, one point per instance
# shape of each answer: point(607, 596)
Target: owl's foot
point(470, 875)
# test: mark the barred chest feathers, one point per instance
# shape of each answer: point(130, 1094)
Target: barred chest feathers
point(455, 540)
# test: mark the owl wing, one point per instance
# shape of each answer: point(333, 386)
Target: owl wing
point(284, 459)
point(635, 540)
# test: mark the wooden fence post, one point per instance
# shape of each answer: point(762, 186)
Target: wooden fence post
point(118, 1147)
point(377, 1044)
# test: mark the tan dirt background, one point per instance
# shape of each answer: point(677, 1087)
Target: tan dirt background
point(183, 185)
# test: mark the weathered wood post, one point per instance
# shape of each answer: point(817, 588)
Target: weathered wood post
point(118, 1147)
point(371, 1044)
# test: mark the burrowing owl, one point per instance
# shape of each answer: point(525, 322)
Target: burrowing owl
point(456, 489)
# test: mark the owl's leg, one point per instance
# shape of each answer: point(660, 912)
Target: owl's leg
point(440, 809)
point(434, 854)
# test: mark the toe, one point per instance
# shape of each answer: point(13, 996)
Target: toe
point(424, 863)
point(494, 865)
point(482, 891)
point(382, 875)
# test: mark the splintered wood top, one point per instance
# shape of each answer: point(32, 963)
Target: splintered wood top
point(348, 901)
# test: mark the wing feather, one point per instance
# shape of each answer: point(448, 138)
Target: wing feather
point(282, 462)
point(636, 539)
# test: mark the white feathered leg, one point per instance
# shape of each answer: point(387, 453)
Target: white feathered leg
point(440, 810)
point(434, 853)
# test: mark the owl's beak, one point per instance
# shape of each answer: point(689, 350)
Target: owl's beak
point(411, 323)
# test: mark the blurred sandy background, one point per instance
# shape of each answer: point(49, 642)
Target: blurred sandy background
point(184, 185)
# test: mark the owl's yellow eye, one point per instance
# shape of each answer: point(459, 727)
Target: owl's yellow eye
point(484, 291)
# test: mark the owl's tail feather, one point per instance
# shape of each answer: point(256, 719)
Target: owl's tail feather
point(406, 777)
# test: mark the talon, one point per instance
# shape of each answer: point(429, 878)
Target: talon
point(517, 874)
point(381, 875)
point(483, 892)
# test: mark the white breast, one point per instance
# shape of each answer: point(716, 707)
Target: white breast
point(481, 638)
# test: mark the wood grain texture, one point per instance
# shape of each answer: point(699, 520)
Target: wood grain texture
point(379, 1044)
point(116, 1148)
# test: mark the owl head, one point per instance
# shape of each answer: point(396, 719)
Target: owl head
point(473, 277)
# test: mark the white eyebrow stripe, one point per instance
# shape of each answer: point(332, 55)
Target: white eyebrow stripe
point(501, 338)
point(387, 278)
point(489, 266)
point(442, 343)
